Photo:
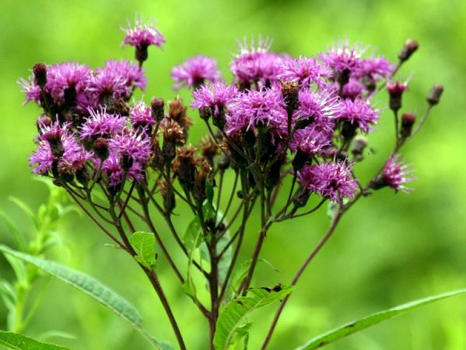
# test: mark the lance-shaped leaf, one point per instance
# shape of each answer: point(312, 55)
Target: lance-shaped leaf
point(235, 314)
point(144, 245)
point(21, 342)
point(93, 288)
point(372, 320)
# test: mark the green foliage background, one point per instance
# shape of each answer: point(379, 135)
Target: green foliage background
point(388, 249)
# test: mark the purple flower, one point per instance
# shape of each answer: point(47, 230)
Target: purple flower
point(115, 80)
point(342, 57)
point(359, 113)
point(377, 67)
point(195, 71)
point(51, 132)
point(330, 180)
point(396, 174)
point(101, 124)
point(311, 140)
point(134, 144)
point(353, 89)
point(305, 71)
point(141, 115)
point(317, 106)
point(42, 159)
point(67, 77)
point(131, 72)
point(143, 35)
point(114, 171)
point(72, 159)
point(396, 88)
point(30, 89)
point(257, 65)
point(257, 108)
point(215, 96)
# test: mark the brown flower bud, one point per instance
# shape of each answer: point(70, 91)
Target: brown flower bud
point(157, 106)
point(357, 148)
point(434, 95)
point(101, 148)
point(408, 49)
point(407, 122)
point(40, 74)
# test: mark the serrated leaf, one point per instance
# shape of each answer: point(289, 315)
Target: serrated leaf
point(372, 320)
point(144, 245)
point(235, 314)
point(94, 289)
point(21, 342)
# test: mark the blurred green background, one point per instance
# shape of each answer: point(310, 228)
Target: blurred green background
point(387, 250)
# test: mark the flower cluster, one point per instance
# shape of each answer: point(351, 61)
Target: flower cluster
point(279, 112)
point(297, 125)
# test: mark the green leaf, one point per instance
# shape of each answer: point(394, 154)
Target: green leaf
point(94, 289)
point(234, 316)
point(372, 320)
point(21, 342)
point(15, 232)
point(193, 236)
point(25, 208)
point(241, 272)
point(144, 245)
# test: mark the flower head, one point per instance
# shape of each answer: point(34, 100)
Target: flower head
point(141, 115)
point(377, 67)
point(129, 71)
point(257, 64)
point(332, 180)
point(112, 167)
point(342, 57)
point(359, 113)
point(195, 71)
point(101, 124)
point(134, 145)
point(395, 174)
point(305, 71)
point(65, 81)
point(310, 141)
point(353, 89)
point(215, 96)
point(317, 106)
point(143, 35)
point(257, 108)
point(71, 158)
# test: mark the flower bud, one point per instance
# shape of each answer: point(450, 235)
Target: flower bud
point(358, 146)
point(40, 74)
point(396, 90)
point(141, 54)
point(290, 92)
point(101, 148)
point(407, 122)
point(157, 105)
point(301, 197)
point(434, 95)
point(408, 49)
point(205, 113)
